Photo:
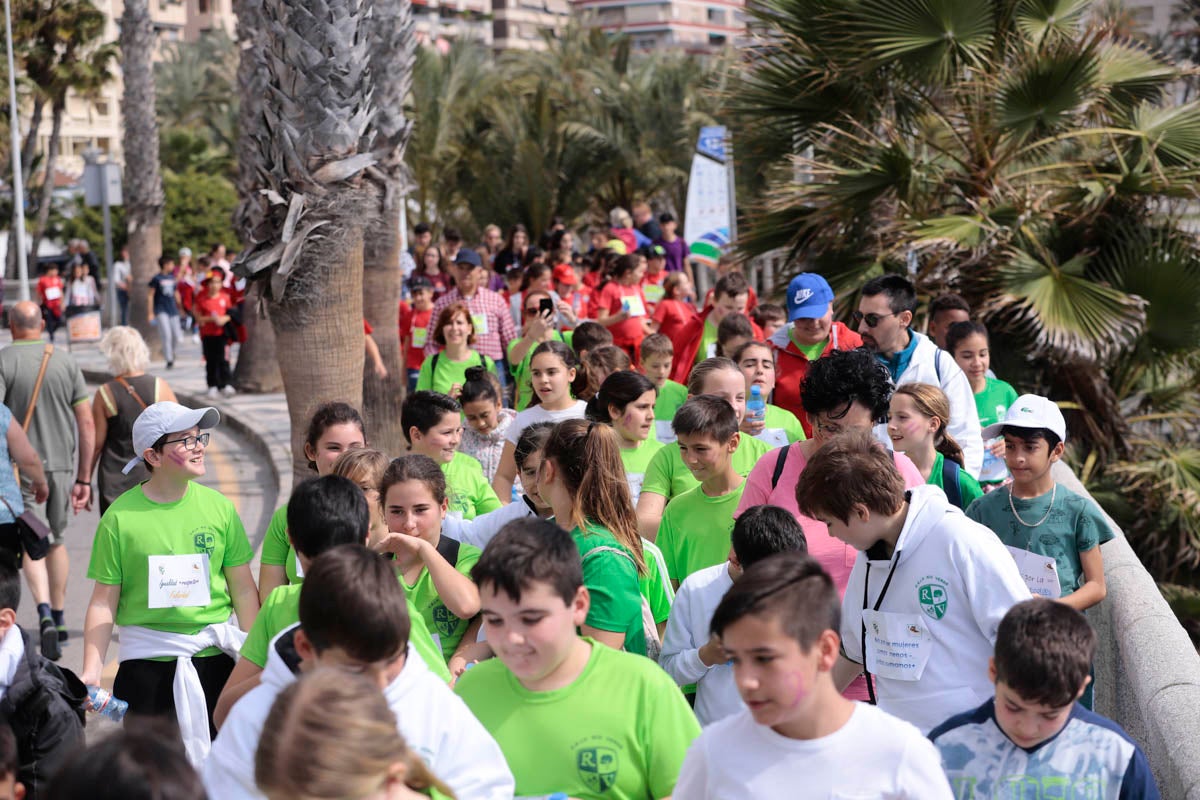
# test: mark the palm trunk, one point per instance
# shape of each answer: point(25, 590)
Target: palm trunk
point(257, 369)
point(51, 163)
point(28, 148)
point(383, 397)
point(143, 189)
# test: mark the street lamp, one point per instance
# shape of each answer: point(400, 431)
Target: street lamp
point(18, 187)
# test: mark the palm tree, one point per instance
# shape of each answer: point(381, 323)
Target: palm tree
point(143, 188)
point(392, 55)
point(71, 31)
point(312, 199)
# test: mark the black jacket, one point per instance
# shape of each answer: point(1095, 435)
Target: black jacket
point(44, 705)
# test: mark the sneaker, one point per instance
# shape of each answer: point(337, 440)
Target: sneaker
point(50, 646)
point(229, 391)
point(170, 365)
point(195, 338)
point(62, 633)
point(213, 393)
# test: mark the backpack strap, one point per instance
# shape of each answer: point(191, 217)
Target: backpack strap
point(433, 364)
point(448, 549)
point(779, 462)
point(951, 483)
point(937, 365)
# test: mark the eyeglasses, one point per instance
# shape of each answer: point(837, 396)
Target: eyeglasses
point(190, 442)
point(872, 320)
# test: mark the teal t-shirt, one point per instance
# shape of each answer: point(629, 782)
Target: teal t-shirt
point(468, 492)
point(447, 372)
point(968, 487)
point(668, 476)
point(695, 531)
point(1073, 525)
point(611, 579)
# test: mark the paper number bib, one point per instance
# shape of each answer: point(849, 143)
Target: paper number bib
point(634, 306)
point(419, 337)
point(664, 431)
point(52, 293)
point(1040, 573)
point(480, 321)
point(776, 437)
point(179, 581)
point(635, 481)
point(898, 645)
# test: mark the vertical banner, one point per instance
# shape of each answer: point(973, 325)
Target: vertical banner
point(706, 228)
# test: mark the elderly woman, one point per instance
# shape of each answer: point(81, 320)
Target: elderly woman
point(117, 405)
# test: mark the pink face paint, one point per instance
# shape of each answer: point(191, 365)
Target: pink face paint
point(800, 690)
point(178, 459)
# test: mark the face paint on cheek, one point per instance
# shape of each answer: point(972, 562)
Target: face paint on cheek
point(800, 689)
point(178, 459)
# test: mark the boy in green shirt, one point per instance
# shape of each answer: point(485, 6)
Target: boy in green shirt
point(695, 528)
point(570, 716)
point(432, 425)
point(657, 354)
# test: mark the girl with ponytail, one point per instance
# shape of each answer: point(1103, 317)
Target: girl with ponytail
point(917, 427)
point(583, 480)
point(487, 420)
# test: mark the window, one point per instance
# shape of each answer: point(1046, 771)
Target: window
point(716, 40)
point(202, 6)
point(101, 108)
point(716, 16)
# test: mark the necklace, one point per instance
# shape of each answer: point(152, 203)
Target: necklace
point(1045, 516)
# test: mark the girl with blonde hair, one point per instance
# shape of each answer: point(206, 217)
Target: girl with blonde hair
point(331, 736)
point(365, 467)
point(917, 422)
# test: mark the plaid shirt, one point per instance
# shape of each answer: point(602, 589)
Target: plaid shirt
point(487, 306)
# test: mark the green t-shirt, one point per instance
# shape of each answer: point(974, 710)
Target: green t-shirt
point(811, 351)
point(449, 372)
point(708, 342)
point(654, 585)
point(670, 397)
point(993, 402)
point(1074, 526)
point(695, 530)
point(617, 732)
point(611, 579)
point(447, 629)
point(668, 476)
point(468, 492)
point(520, 371)
point(277, 548)
point(782, 427)
point(968, 487)
point(282, 611)
point(135, 528)
point(52, 429)
point(636, 460)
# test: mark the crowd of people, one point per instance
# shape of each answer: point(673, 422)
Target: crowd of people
point(638, 546)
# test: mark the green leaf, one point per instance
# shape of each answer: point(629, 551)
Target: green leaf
point(933, 38)
point(1131, 73)
point(1172, 134)
point(1043, 93)
point(1042, 20)
point(963, 231)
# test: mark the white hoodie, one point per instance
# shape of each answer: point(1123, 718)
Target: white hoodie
point(953, 580)
point(434, 722)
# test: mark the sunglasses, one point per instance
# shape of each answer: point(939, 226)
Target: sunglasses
point(533, 311)
point(872, 320)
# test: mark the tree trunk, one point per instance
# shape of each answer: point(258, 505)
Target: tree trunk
point(143, 191)
point(382, 398)
point(257, 369)
point(320, 345)
point(47, 199)
point(27, 150)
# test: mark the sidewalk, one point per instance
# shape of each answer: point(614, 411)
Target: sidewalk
point(261, 419)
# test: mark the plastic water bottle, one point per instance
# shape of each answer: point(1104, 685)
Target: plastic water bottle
point(756, 407)
point(103, 703)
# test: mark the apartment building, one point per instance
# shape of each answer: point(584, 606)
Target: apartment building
point(440, 23)
point(694, 26)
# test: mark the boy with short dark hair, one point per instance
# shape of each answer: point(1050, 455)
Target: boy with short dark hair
point(691, 654)
point(587, 336)
point(696, 525)
point(928, 588)
point(770, 317)
point(322, 514)
point(432, 425)
point(354, 615)
point(1034, 731)
point(42, 702)
point(944, 311)
point(570, 716)
point(798, 737)
point(657, 354)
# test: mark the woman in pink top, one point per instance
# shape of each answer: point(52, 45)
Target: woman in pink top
point(843, 390)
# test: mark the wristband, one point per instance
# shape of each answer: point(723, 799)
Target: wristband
point(83, 483)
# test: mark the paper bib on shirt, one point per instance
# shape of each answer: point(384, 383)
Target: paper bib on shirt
point(420, 337)
point(1039, 572)
point(52, 293)
point(776, 437)
point(664, 431)
point(634, 306)
point(654, 292)
point(179, 581)
point(635, 481)
point(299, 567)
point(898, 645)
point(480, 321)
point(712, 350)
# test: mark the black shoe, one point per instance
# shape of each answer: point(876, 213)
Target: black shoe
point(50, 646)
point(62, 633)
point(170, 364)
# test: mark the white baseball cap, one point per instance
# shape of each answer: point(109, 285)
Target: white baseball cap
point(159, 419)
point(1031, 411)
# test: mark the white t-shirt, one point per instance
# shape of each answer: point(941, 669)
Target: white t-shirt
point(687, 631)
point(538, 414)
point(874, 755)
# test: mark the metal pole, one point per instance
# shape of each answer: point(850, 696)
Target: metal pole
point(14, 124)
point(114, 313)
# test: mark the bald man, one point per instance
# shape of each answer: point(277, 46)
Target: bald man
point(62, 433)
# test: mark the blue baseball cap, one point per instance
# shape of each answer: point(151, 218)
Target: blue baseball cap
point(468, 256)
point(808, 297)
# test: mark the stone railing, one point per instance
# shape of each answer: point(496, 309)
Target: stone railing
point(1147, 671)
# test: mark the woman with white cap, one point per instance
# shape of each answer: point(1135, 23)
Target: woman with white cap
point(171, 562)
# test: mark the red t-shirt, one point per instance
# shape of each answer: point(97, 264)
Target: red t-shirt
point(209, 306)
point(652, 288)
point(612, 298)
point(51, 290)
point(672, 316)
point(416, 330)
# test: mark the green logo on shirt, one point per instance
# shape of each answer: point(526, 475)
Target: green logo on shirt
point(597, 767)
point(204, 541)
point(443, 620)
point(932, 599)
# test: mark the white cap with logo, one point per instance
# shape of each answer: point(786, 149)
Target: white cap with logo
point(1030, 411)
point(159, 419)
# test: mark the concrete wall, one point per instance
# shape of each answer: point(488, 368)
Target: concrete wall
point(1147, 671)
